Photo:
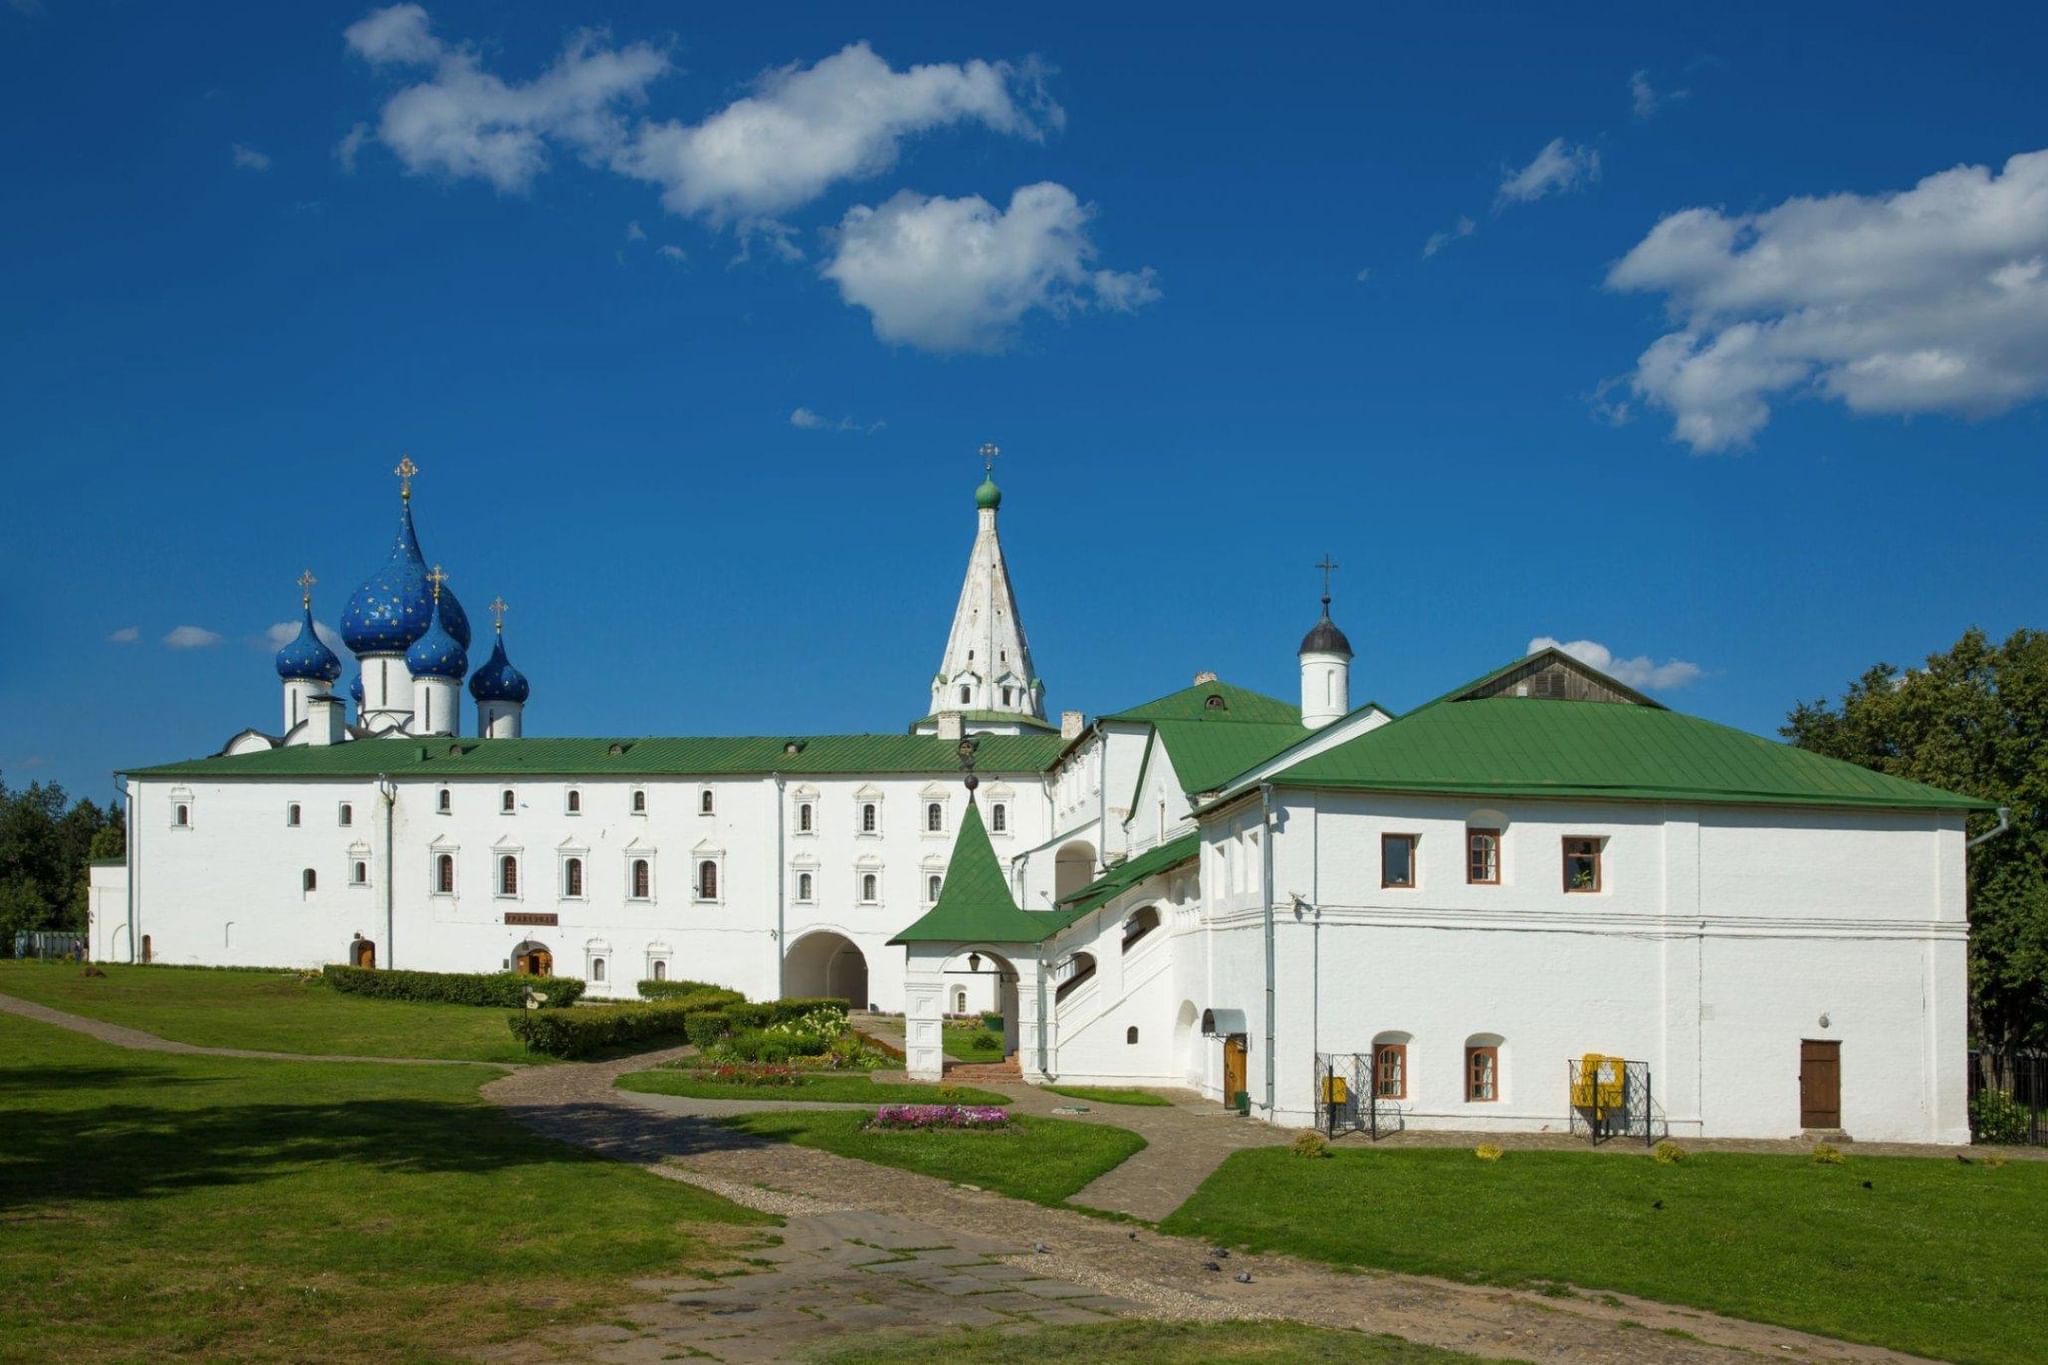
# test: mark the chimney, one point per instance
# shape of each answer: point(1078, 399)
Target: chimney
point(1204, 677)
point(949, 725)
point(325, 721)
point(1070, 724)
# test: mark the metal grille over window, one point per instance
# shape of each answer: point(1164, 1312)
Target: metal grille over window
point(1611, 1098)
point(1348, 1101)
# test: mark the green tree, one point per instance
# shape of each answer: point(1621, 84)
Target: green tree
point(45, 844)
point(1973, 720)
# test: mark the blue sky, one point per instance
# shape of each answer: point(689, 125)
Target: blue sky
point(1652, 388)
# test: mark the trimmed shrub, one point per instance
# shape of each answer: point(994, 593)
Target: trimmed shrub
point(1826, 1154)
point(578, 1033)
point(1489, 1151)
point(767, 1045)
point(498, 990)
point(1668, 1153)
point(1998, 1118)
point(797, 1006)
point(742, 1015)
point(992, 1022)
point(705, 1027)
point(694, 992)
point(981, 1040)
point(1311, 1144)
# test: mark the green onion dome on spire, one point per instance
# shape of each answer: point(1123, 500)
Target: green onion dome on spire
point(988, 497)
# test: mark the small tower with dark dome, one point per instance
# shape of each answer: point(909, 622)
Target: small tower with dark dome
point(499, 688)
point(1325, 665)
point(437, 662)
point(306, 665)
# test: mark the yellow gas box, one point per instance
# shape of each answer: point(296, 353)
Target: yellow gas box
point(1334, 1090)
point(1599, 1082)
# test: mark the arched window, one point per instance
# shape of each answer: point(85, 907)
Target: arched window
point(959, 1000)
point(1006, 696)
point(506, 801)
point(572, 877)
point(1390, 1066)
point(870, 818)
point(869, 885)
point(359, 872)
point(291, 814)
point(707, 880)
point(704, 802)
point(803, 887)
point(965, 695)
point(444, 874)
point(1131, 1034)
point(931, 889)
point(639, 802)
point(803, 818)
point(1482, 857)
point(508, 875)
point(643, 879)
point(348, 814)
point(445, 801)
point(1482, 1068)
point(661, 969)
point(999, 818)
point(575, 802)
point(309, 881)
point(1083, 965)
point(935, 817)
point(184, 820)
point(597, 969)
point(1141, 923)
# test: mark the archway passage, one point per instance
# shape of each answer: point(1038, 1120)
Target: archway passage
point(533, 959)
point(362, 953)
point(1073, 867)
point(826, 964)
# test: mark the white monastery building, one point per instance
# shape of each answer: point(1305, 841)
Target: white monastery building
point(1320, 911)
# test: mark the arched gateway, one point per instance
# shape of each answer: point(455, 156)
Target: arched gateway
point(822, 963)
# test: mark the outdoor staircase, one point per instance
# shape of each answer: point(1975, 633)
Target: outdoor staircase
point(999, 1073)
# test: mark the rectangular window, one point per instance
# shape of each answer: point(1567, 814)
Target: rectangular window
point(1390, 1071)
point(1397, 860)
point(1482, 857)
point(1482, 1074)
point(1582, 864)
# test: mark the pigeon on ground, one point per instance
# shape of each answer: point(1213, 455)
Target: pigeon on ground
point(1867, 1185)
point(1656, 1203)
point(1042, 1249)
point(1960, 1157)
point(1220, 1253)
point(1244, 1277)
point(1132, 1235)
point(1211, 1265)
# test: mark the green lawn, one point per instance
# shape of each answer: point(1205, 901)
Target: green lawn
point(269, 1011)
point(817, 1087)
point(957, 1040)
point(155, 1205)
point(1148, 1343)
point(1043, 1160)
point(1937, 1257)
point(1102, 1094)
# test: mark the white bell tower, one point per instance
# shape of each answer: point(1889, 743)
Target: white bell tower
point(987, 672)
point(1325, 665)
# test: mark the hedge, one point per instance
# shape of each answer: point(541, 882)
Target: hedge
point(502, 990)
point(578, 1033)
point(669, 990)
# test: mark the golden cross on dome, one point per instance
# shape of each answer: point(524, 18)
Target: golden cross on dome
point(1328, 566)
point(405, 472)
point(498, 611)
point(306, 582)
point(988, 452)
point(437, 578)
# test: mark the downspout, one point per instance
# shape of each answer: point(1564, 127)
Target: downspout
point(1042, 1055)
point(387, 789)
point(781, 888)
point(130, 847)
point(2004, 824)
point(1272, 1000)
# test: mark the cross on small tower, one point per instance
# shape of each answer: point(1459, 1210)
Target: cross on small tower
point(437, 578)
point(405, 471)
point(306, 582)
point(988, 452)
point(1328, 566)
point(498, 611)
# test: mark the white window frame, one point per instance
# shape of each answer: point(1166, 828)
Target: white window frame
point(562, 857)
point(345, 814)
point(798, 870)
point(707, 853)
point(862, 799)
point(658, 955)
point(861, 872)
point(435, 852)
point(803, 796)
point(646, 855)
point(637, 802)
point(444, 801)
point(707, 801)
point(294, 815)
point(572, 802)
point(500, 852)
point(508, 801)
point(358, 852)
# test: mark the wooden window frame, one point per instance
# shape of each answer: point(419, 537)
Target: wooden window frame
point(1414, 843)
point(508, 802)
point(708, 888)
point(572, 801)
point(508, 876)
point(444, 862)
point(572, 878)
point(934, 817)
point(1473, 832)
point(640, 879)
point(999, 817)
point(1565, 863)
point(1379, 1090)
point(1492, 1055)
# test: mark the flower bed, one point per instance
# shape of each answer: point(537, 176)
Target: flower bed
point(746, 1073)
point(912, 1116)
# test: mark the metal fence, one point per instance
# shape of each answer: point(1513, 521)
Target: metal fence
point(2017, 1086)
point(49, 943)
point(1610, 1098)
point(1346, 1097)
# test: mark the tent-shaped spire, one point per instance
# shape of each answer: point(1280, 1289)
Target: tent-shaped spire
point(975, 904)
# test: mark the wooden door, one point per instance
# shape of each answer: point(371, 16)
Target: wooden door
point(366, 953)
point(539, 962)
point(1233, 1067)
point(1820, 1084)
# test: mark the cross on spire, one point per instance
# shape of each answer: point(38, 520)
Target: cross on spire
point(437, 578)
point(405, 472)
point(988, 452)
point(1328, 566)
point(306, 582)
point(498, 611)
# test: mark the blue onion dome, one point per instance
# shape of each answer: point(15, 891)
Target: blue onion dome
point(395, 605)
point(437, 654)
point(355, 690)
point(498, 680)
point(307, 656)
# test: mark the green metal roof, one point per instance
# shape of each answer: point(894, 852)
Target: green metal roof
point(447, 757)
point(1192, 703)
point(975, 905)
point(1207, 755)
point(991, 717)
point(1129, 873)
point(1525, 746)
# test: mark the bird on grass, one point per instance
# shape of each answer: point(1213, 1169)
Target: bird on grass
point(1211, 1265)
point(1868, 1186)
point(1656, 1203)
point(1960, 1157)
point(1041, 1248)
point(1220, 1253)
point(1244, 1277)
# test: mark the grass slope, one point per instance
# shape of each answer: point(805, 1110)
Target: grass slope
point(1102, 1094)
point(964, 1043)
point(1148, 1343)
point(1937, 1257)
point(267, 1011)
point(155, 1205)
point(1043, 1160)
point(815, 1089)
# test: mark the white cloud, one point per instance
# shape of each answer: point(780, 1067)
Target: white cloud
point(191, 637)
point(126, 635)
point(634, 232)
point(284, 632)
point(1364, 275)
point(1465, 227)
point(466, 122)
point(804, 129)
point(1646, 99)
point(1932, 299)
point(806, 420)
point(248, 158)
point(670, 251)
point(1639, 671)
point(959, 274)
point(351, 146)
point(1558, 167)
